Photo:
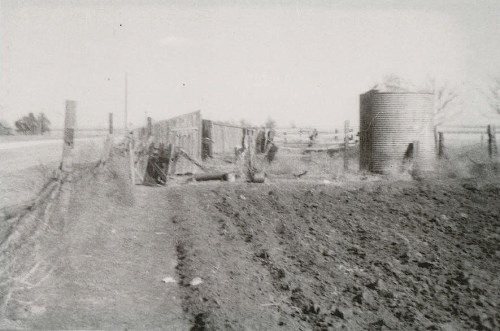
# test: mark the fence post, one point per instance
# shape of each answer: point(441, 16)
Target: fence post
point(131, 156)
point(150, 127)
point(492, 146)
point(207, 140)
point(109, 140)
point(440, 144)
point(69, 136)
point(346, 144)
point(110, 122)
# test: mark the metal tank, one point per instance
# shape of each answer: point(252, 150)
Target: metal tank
point(396, 130)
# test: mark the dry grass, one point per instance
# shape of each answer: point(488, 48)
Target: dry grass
point(292, 164)
point(468, 161)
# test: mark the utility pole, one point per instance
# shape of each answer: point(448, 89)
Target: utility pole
point(126, 105)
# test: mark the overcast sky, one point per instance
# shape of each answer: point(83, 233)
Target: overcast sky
point(296, 61)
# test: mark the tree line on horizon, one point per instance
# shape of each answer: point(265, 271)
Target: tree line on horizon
point(30, 124)
point(33, 125)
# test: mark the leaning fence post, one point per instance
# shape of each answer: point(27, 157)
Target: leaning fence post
point(492, 146)
point(346, 143)
point(440, 144)
point(69, 136)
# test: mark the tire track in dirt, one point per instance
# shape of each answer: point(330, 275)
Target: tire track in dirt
point(24, 264)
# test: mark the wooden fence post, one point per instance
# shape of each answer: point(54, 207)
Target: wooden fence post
point(492, 146)
point(109, 141)
point(346, 144)
point(131, 156)
point(207, 140)
point(150, 127)
point(110, 122)
point(69, 136)
point(440, 144)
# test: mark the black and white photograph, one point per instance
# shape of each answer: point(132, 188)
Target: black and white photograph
point(207, 165)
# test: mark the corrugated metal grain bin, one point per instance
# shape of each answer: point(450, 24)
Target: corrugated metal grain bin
point(394, 126)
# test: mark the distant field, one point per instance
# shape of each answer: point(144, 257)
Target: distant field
point(55, 134)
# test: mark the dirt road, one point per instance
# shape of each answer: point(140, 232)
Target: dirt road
point(289, 255)
point(25, 165)
point(19, 155)
point(98, 264)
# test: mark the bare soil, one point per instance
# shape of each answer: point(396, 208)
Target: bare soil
point(388, 255)
point(302, 254)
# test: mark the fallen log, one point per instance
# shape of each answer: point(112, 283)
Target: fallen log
point(214, 176)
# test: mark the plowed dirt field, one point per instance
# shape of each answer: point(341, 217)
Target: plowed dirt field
point(299, 254)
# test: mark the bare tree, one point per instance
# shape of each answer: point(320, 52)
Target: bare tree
point(444, 94)
point(31, 124)
point(43, 123)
